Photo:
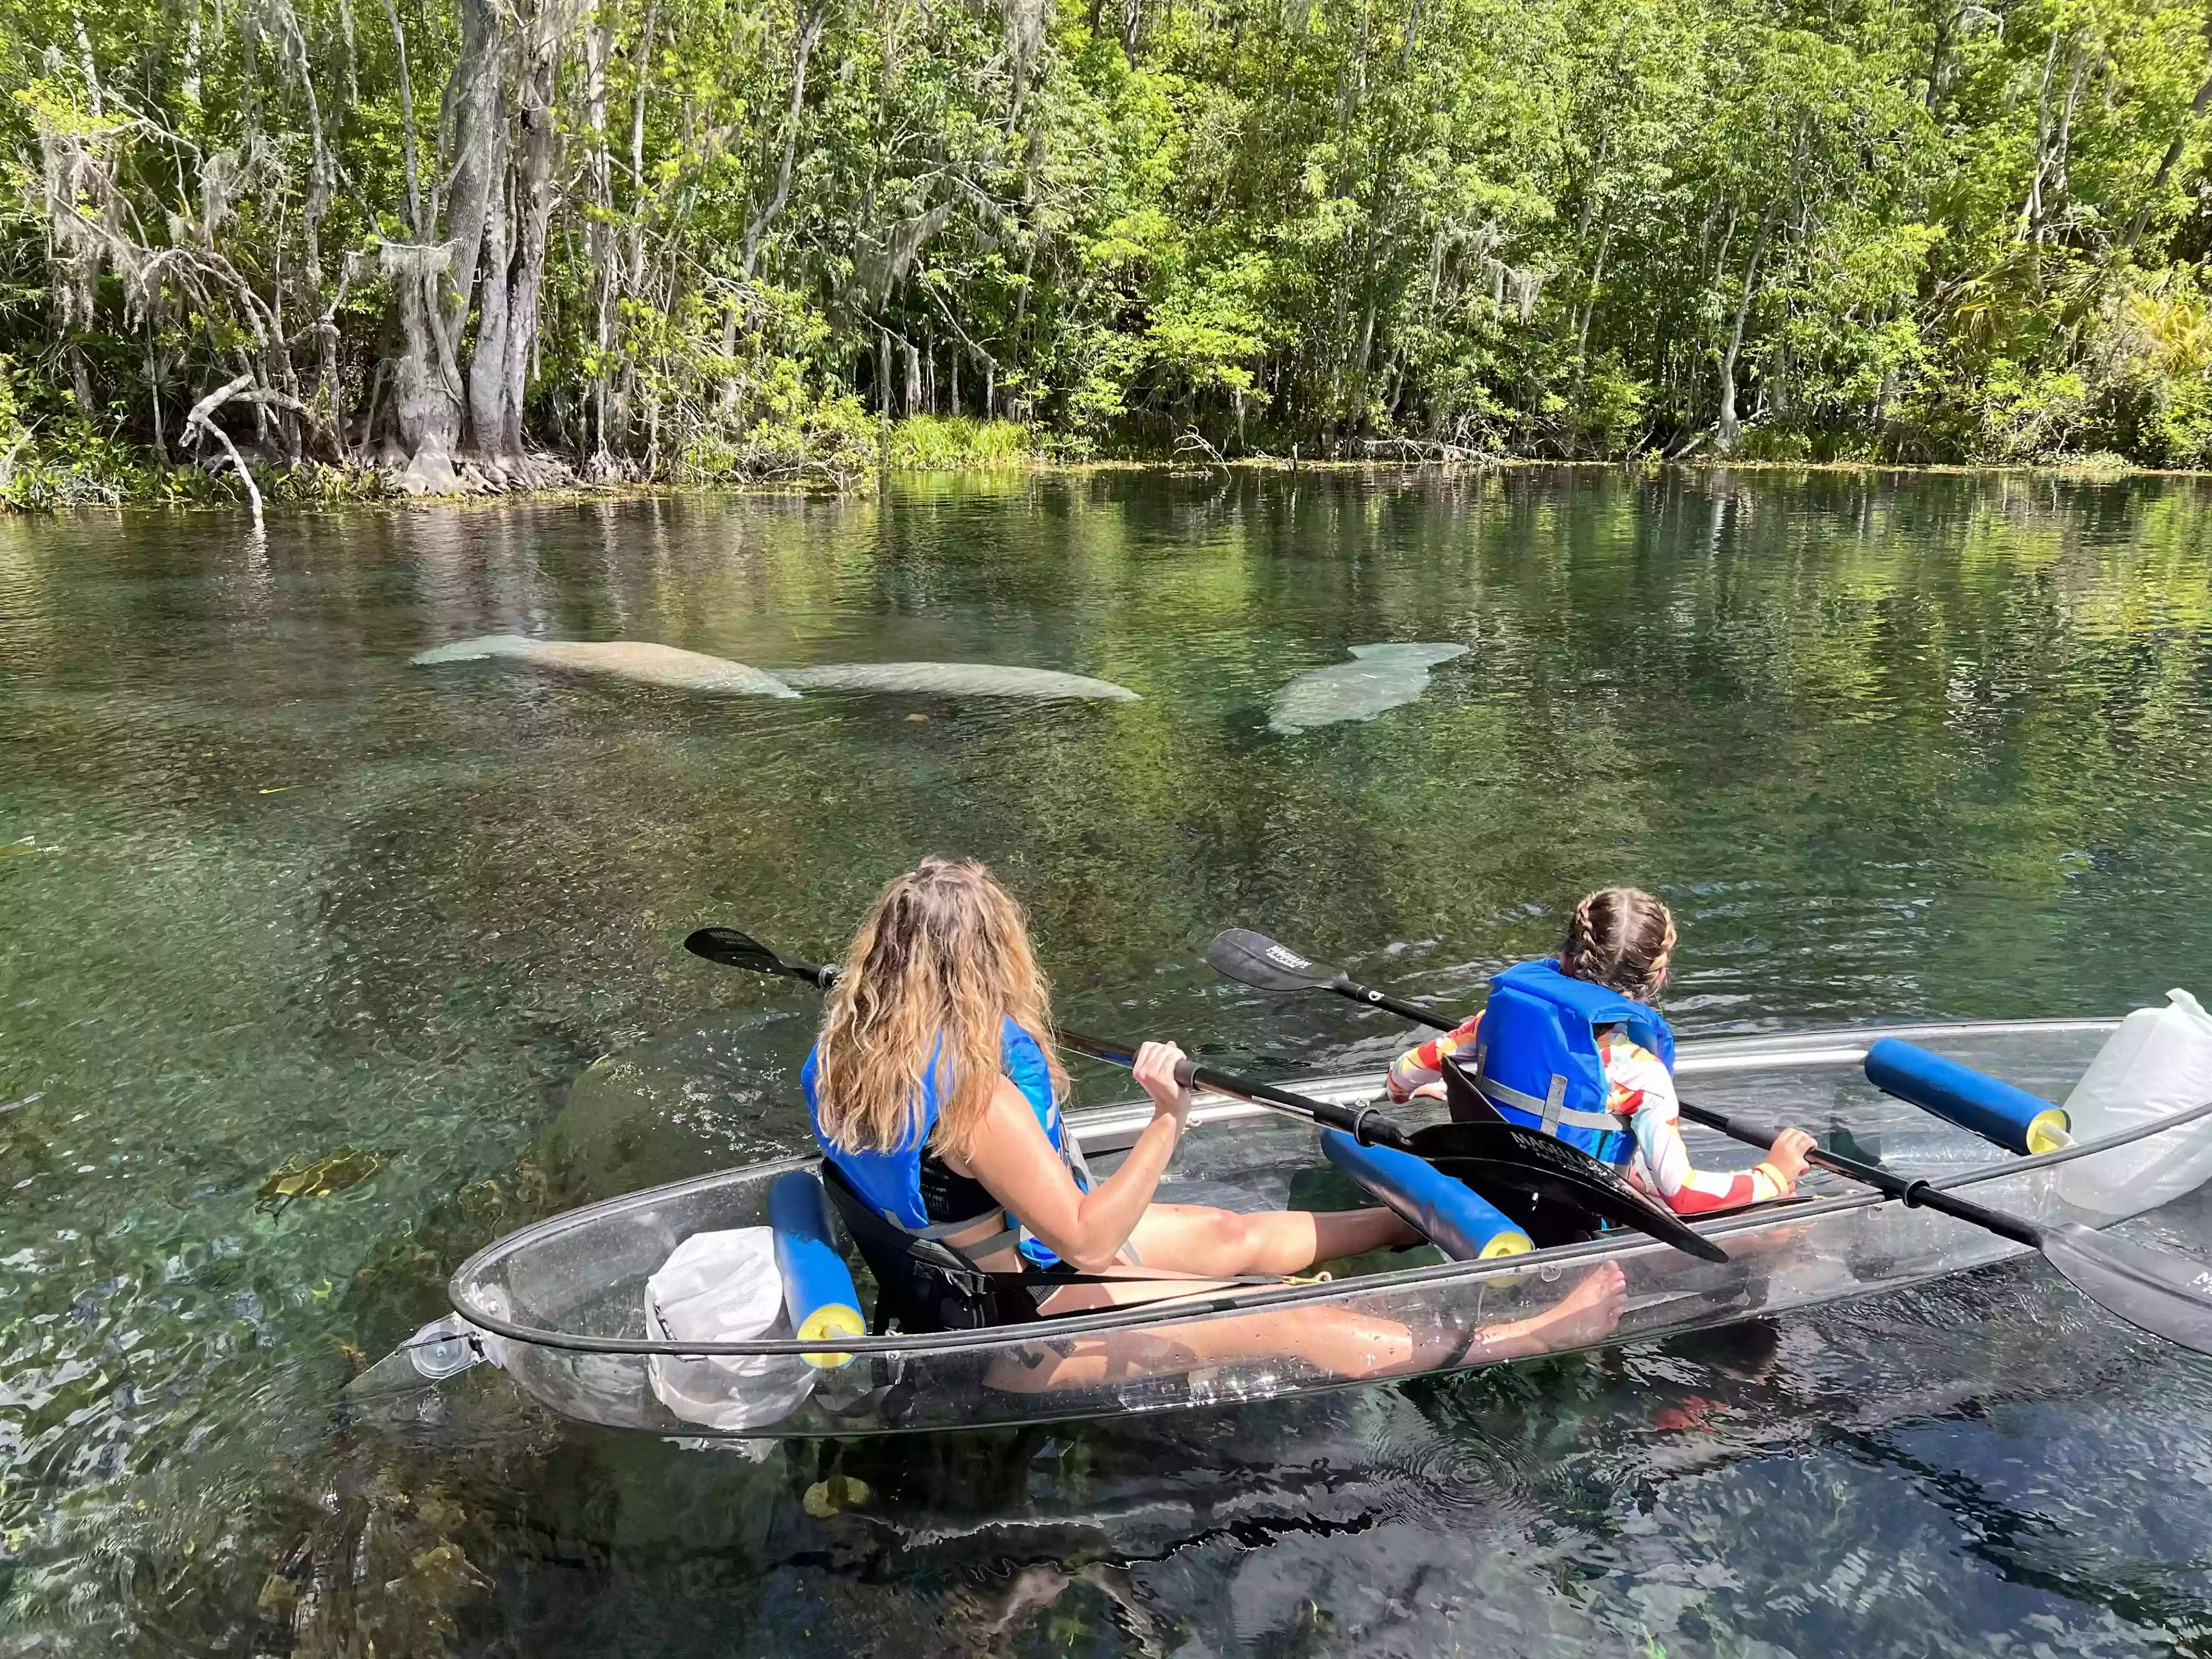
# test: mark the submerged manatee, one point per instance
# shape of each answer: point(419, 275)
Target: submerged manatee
point(629, 660)
point(707, 1097)
point(689, 670)
point(976, 679)
point(1384, 677)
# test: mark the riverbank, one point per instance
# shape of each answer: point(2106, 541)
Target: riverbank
point(82, 475)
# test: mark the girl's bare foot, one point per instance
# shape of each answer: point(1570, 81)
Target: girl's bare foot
point(1590, 1311)
point(1586, 1313)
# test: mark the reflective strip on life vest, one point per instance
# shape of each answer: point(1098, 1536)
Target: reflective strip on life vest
point(1552, 1109)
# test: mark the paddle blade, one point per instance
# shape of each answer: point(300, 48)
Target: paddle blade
point(733, 950)
point(2156, 1291)
point(1549, 1219)
point(1254, 959)
point(1507, 1157)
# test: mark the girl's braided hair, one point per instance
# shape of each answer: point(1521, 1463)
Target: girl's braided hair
point(1621, 938)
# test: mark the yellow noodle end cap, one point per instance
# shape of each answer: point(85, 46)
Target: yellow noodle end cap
point(2049, 1131)
point(834, 1321)
point(1507, 1244)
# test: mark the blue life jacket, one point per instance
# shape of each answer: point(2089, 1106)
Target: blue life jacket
point(1536, 1060)
point(891, 1182)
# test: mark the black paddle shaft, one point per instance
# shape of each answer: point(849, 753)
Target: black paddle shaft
point(1914, 1195)
point(1347, 986)
point(1363, 1123)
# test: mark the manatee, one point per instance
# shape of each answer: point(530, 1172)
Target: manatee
point(707, 1097)
point(629, 660)
point(1384, 677)
point(978, 679)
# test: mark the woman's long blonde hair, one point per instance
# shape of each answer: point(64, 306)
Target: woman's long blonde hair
point(943, 956)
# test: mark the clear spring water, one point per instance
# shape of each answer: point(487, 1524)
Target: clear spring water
point(268, 895)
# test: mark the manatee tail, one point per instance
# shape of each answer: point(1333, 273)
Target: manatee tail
point(1399, 651)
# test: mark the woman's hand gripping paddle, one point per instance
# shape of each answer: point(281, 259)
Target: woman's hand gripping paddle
point(1548, 1168)
point(2155, 1290)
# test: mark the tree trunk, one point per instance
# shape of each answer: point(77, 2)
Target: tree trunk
point(1730, 432)
point(1589, 302)
point(500, 382)
point(479, 154)
point(630, 273)
point(487, 363)
point(810, 31)
point(406, 122)
point(598, 240)
point(436, 282)
point(2197, 107)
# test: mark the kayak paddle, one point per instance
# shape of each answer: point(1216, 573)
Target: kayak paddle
point(1525, 1159)
point(1254, 959)
point(2155, 1290)
point(735, 950)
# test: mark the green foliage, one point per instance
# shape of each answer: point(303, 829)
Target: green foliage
point(1569, 227)
point(958, 443)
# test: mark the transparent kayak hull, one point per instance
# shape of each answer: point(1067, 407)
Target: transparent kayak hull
point(563, 1305)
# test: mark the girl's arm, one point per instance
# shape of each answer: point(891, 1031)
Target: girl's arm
point(1642, 1090)
point(1422, 1068)
point(1017, 1165)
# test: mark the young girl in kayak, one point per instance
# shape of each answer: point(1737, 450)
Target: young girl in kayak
point(1573, 1047)
point(934, 1089)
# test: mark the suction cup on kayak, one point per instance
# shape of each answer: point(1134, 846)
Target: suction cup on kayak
point(444, 1347)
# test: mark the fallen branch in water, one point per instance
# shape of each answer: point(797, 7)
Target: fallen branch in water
point(199, 420)
point(1428, 450)
point(1192, 443)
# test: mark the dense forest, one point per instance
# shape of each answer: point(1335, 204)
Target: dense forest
point(441, 244)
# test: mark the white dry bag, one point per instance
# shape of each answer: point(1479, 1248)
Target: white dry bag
point(2158, 1063)
point(724, 1287)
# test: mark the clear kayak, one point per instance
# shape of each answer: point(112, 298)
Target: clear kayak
point(560, 1305)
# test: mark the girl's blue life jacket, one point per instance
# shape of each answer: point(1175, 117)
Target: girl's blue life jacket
point(1536, 1060)
point(891, 1182)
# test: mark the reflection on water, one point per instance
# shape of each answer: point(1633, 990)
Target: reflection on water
point(270, 897)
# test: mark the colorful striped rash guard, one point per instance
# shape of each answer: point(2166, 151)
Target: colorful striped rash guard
point(1642, 1091)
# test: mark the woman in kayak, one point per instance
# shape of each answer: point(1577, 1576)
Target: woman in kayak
point(1573, 1047)
point(934, 1091)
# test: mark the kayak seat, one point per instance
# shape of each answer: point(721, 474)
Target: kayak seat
point(922, 1285)
point(1447, 1212)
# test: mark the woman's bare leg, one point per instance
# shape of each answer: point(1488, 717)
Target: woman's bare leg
point(1333, 1338)
point(1191, 1248)
point(1195, 1239)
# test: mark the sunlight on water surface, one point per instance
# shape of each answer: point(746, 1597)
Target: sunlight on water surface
point(271, 898)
